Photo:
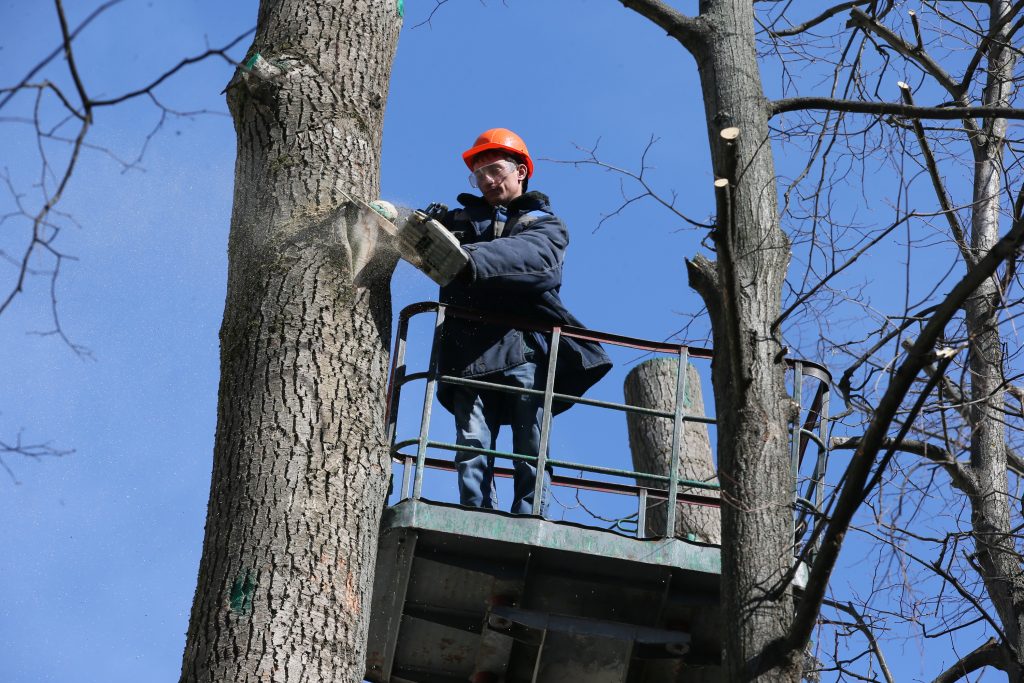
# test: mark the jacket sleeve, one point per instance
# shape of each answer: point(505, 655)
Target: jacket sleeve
point(526, 261)
point(529, 261)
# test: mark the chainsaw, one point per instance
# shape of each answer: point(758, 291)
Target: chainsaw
point(422, 240)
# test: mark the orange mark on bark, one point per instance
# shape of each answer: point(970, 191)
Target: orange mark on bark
point(352, 600)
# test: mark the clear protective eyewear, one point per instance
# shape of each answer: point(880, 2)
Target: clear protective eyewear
point(493, 173)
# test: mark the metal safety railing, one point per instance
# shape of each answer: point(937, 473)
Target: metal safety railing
point(812, 430)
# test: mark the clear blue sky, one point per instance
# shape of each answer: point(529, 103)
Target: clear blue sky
point(101, 547)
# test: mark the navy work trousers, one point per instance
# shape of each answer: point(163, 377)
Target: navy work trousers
point(478, 415)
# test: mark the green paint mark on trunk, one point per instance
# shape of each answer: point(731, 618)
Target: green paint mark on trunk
point(400, 4)
point(241, 594)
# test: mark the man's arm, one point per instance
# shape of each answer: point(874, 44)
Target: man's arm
point(529, 261)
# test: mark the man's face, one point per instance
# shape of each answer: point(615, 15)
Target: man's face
point(500, 180)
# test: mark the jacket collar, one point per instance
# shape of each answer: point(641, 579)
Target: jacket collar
point(528, 201)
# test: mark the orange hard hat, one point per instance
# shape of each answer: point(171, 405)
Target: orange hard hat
point(499, 138)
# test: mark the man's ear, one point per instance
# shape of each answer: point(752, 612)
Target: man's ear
point(521, 172)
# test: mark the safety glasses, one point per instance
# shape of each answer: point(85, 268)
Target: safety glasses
point(491, 173)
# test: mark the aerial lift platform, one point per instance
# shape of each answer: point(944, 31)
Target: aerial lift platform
point(464, 594)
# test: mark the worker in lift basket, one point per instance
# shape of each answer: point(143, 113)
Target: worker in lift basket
point(516, 247)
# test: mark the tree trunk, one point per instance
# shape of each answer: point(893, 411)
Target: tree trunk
point(998, 558)
point(300, 465)
point(652, 384)
point(742, 289)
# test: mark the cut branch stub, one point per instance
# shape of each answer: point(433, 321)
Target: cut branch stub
point(919, 45)
point(729, 136)
point(652, 384)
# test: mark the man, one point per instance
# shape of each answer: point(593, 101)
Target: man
point(515, 246)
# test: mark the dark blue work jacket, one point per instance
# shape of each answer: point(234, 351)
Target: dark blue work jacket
point(518, 273)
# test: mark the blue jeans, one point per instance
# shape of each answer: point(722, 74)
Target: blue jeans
point(478, 415)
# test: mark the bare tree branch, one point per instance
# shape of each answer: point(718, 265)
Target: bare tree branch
point(638, 176)
point(940, 189)
point(689, 31)
point(990, 37)
point(845, 383)
point(836, 271)
point(966, 595)
point(12, 91)
point(864, 457)
point(862, 20)
point(34, 451)
point(940, 456)
point(145, 90)
point(989, 653)
point(944, 113)
point(1014, 461)
point(821, 18)
point(44, 231)
point(70, 57)
point(868, 634)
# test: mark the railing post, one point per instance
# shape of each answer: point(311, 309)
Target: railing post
point(545, 423)
point(428, 402)
point(794, 447)
point(641, 514)
point(394, 396)
point(819, 467)
point(822, 463)
point(677, 438)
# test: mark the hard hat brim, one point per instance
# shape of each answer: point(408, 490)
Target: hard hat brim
point(470, 153)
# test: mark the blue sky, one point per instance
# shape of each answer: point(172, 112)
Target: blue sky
point(102, 546)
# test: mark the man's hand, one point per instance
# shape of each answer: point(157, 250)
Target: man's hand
point(430, 247)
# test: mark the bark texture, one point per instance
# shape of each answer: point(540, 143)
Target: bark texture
point(998, 557)
point(300, 464)
point(652, 384)
point(742, 289)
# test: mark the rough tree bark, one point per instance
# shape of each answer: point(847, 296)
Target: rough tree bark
point(742, 289)
point(300, 466)
point(652, 384)
point(999, 560)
